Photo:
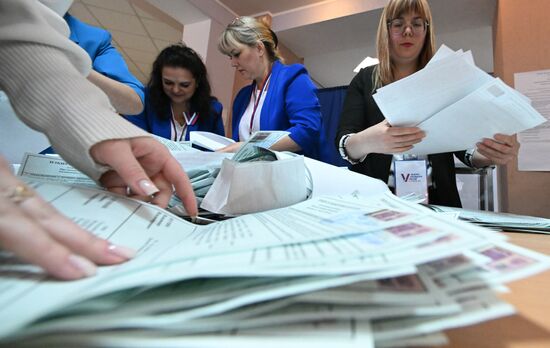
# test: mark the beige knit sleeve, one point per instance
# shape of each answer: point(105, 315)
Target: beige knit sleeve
point(50, 95)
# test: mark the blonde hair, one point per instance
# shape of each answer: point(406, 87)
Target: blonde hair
point(384, 72)
point(249, 31)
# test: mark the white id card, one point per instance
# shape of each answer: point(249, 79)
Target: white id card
point(411, 178)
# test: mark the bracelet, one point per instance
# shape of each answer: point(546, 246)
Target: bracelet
point(342, 148)
point(469, 156)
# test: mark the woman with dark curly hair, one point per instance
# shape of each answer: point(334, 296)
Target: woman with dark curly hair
point(178, 97)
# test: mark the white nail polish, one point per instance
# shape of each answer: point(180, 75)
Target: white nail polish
point(122, 251)
point(82, 264)
point(148, 187)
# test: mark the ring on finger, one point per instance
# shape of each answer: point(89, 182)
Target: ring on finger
point(19, 194)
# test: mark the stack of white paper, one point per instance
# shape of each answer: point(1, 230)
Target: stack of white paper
point(334, 271)
point(498, 221)
point(209, 141)
point(455, 103)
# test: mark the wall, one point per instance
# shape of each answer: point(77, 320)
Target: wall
point(479, 40)
point(521, 44)
point(221, 74)
point(16, 138)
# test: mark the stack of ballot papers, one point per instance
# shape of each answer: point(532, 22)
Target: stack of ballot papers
point(498, 221)
point(332, 271)
point(455, 103)
point(202, 168)
point(209, 141)
point(213, 142)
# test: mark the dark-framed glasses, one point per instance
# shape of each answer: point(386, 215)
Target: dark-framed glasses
point(398, 26)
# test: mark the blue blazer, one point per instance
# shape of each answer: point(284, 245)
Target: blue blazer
point(149, 121)
point(106, 59)
point(290, 104)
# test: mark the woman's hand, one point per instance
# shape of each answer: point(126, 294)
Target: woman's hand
point(146, 167)
point(500, 150)
point(231, 148)
point(37, 233)
point(383, 138)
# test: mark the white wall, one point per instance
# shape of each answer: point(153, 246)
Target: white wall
point(479, 40)
point(320, 65)
point(16, 138)
point(221, 74)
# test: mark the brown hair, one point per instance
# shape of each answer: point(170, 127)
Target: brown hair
point(384, 72)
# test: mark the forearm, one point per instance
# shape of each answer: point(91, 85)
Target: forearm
point(355, 148)
point(51, 96)
point(480, 161)
point(122, 97)
point(286, 144)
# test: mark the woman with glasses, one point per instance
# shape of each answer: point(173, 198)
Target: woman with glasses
point(280, 97)
point(405, 44)
point(178, 97)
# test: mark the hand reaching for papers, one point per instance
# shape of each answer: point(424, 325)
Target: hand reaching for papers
point(383, 138)
point(500, 150)
point(37, 233)
point(146, 167)
point(232, 148)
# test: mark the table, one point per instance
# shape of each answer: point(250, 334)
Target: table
point(530, 327)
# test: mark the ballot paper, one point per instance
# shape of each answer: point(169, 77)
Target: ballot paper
point(339, 271)
point(263, 139)
point(202, 167)
point(499, 221)
point(492, 108)
point(478, 304)
point(455, 103)
point(348, 333)
point(53, 169)
point(214, 142)
point(209, 141)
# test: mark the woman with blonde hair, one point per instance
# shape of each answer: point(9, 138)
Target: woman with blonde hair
point(405, 44)
point(280, 97)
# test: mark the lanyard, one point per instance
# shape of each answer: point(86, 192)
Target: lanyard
point(189, 121)
point(257, 99)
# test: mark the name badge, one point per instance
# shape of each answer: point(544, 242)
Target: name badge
point(411, 177)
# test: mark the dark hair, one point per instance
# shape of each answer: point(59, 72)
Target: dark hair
point(180, 56)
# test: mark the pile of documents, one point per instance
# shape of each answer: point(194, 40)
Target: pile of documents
point(252, 179)
point(455, 103)
point(334, 271)
point(499, 221)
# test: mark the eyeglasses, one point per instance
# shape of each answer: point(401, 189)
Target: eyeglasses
point(398, 26)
